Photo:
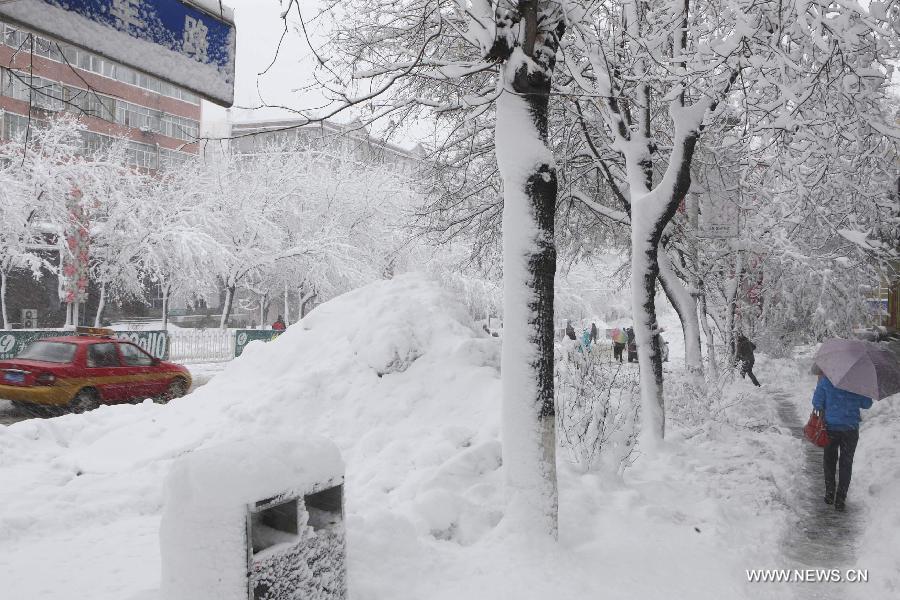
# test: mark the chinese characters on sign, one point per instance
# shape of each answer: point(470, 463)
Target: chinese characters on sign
point(127, 15)
point(196, 40)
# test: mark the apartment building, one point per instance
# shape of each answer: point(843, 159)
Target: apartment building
point(250, 137)
point(40, 76)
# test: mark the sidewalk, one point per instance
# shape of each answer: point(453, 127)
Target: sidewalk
point(863, 538)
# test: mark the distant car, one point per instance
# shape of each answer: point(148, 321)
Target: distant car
point(80, 372)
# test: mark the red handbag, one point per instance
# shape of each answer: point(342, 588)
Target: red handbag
point(815, 430)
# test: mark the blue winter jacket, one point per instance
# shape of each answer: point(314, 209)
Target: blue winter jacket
point(841, 407)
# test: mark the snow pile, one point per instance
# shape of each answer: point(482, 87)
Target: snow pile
point(876, 485)
point(408, 389)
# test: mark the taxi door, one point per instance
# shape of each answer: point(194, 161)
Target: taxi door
point(103, 371)
point(141, 383)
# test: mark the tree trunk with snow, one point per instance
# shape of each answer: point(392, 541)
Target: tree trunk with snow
point(3, 299)
point(644, 272)
point(101, 304)
point(651, 213)
point(263, 309)
point(226, 307)
point(165, 306)
point(287, 306)
point(686, 306)
point(526, 45)
point(731, 300)
point(304, 298)
point(710, 337)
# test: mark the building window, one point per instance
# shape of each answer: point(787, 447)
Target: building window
point(172, 159)
point(37, 91)
point(15, 126)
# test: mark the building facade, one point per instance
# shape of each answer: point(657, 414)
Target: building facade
point(251, 137)
point(40, 77)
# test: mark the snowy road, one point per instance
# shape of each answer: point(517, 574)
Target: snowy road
point(201, 373)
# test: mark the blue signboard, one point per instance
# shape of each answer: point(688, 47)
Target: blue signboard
point(168, 23)
point(190, 43)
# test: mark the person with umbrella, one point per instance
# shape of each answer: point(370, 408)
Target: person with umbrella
point(851, 373)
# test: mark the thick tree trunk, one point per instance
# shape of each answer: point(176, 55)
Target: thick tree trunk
point(529, 268)
point(287, 306)
point(644, 273)
point(226, 309)
point(101, 304)
point(3, 299)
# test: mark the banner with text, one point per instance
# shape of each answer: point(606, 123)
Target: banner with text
point(245, 336)
point(155, 343)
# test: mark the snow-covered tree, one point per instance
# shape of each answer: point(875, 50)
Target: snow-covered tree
point(19, 226)
point(41, 169)
point(668, 73)
point(507, 53)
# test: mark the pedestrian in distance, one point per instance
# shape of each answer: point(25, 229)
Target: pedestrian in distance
point(586, 339)
point(570, 331)
point(619, 340)
point(840, 410)
point(279, 325)
point(594, 333)
point(743, 353)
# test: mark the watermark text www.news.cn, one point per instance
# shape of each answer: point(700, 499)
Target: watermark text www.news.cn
point(807, 575)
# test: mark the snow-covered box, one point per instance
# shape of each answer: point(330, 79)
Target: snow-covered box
point(258, 520)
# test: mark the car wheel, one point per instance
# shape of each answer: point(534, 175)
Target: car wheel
point(84, 401)
point(177, 389)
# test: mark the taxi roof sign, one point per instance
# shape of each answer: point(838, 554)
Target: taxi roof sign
point(190, 43)
point(94, 331)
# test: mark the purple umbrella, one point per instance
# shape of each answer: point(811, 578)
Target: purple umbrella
point(860, 367)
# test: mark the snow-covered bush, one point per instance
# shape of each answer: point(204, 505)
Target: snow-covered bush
point(597, 409)
point(707, 407)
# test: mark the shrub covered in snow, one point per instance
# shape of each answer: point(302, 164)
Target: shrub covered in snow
point(597, 409)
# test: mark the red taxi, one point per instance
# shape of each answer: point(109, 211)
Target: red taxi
point(82, 371)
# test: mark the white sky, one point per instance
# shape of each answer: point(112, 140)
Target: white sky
point(259, 28)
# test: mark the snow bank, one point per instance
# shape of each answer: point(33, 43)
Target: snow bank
point(876, 485)
point(408, 389)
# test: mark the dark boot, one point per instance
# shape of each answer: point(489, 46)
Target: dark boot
point(829, 496)
point(840, 504)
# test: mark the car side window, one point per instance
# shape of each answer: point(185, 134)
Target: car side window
point(102, 355)
point(134, 356)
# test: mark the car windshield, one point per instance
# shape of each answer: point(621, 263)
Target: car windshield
point(55, 352)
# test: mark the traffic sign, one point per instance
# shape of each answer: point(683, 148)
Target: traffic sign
point(190, 43)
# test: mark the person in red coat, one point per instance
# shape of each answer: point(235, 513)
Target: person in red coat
point(278, 325)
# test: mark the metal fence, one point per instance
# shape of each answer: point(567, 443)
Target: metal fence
point(201, 345)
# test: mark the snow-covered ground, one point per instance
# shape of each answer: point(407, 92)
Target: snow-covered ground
point(405, 384)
